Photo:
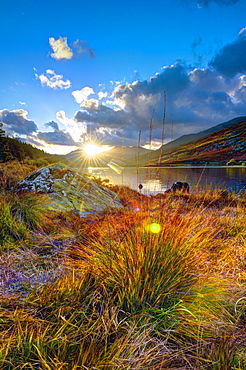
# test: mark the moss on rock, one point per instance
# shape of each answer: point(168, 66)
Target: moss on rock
point(68, 190)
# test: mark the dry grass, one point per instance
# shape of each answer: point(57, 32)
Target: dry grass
point(110, 291)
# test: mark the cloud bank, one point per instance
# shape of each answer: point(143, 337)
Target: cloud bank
point(57, 137)
point(231, 59)
point(16, 121)
point(196, 98)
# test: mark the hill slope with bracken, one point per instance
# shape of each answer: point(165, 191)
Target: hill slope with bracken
point(217, 148)
point(170, 147)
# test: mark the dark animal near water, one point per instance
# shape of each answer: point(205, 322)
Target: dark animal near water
point(180, 186)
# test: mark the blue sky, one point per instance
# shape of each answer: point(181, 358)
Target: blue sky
point(73, 70)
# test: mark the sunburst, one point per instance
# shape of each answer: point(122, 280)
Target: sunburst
point(92, 149)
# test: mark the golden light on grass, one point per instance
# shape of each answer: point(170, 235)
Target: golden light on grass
point(161, 288)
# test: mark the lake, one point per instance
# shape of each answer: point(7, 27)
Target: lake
point(159, 179)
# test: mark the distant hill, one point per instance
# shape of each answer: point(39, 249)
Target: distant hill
point(120, 154)
point(185, 139)
point(126, 152)
point(217, 148)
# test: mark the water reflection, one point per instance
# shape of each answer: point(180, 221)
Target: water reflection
point(155, 180)
point(153, 185)
point(233, 171)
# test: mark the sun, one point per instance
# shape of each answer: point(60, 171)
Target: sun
point(92, 150)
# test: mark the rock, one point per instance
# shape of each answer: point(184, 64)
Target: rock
point(180, 186)
point(68, 190)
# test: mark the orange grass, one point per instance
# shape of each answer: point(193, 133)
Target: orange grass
point(126, 297)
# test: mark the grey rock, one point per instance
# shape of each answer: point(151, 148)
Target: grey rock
point(68, 190)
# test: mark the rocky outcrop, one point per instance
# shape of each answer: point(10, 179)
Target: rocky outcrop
point(68, 190)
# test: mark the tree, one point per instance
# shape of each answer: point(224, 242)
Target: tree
point(2, 132)
point(6, 152)
point(2, 143)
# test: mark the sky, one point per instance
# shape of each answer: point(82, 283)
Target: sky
point(78, 71)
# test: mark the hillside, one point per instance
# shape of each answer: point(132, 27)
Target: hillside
point(217, 148)
point(14, 149)
point(185, 139)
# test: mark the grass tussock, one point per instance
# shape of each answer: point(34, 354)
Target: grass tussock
point(19, 214)
point(160, 284)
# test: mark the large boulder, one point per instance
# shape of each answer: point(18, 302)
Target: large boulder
point(68, 190)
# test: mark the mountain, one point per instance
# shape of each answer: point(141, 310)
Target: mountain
point(185, 139)
point(217, 148)
point(120, 154)
point(126, 152)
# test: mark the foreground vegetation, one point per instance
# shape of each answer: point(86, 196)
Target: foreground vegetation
point(157, 285)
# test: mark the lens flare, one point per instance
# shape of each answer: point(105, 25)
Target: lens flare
point(154, 228)
point(116, 166)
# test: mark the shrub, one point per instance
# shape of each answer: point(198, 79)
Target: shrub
point(39, 162)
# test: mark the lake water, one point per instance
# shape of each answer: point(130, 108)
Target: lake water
point(156, 180)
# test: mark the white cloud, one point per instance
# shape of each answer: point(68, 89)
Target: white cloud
point(91, 105)
point(60, 48)
point(81, 96)
point(52, 80)
point(115, 83)
point(116, 103)
point(56, 149)
point(242, 32)
point(75, 129)
point(242, 81)
point(102, 95)
point(80, 48)
point(61, 116)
